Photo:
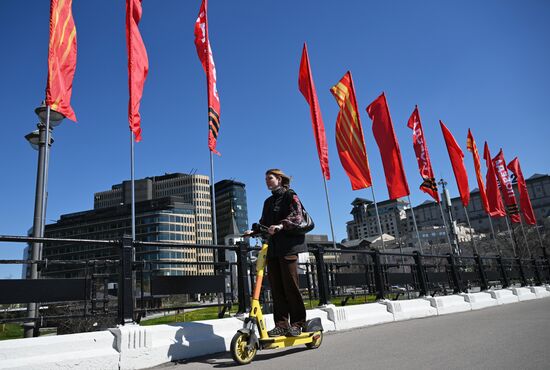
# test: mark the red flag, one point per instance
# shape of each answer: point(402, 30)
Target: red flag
point(472, 147)
point(61, 58)
point(382, 127)
point(204, 51)
point(525, 202)
point(429, 185)
point(307, 88)
point(457, 160)
point(138, 64)
point(506, 187)
point(496, 206)
point(349, 135)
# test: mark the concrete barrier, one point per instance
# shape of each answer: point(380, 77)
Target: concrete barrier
point(539, 291)
point(83, 351)
point(410, 309)
point(147, 346)
point(503, 296)
point(449, 304)
point(479, 300)
point(523, 294)
point(348, 317)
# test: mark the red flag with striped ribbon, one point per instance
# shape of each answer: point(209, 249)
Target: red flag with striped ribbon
point(138, 65)
point(204, 51)
point(349, 135)
point(524, 201)
point(307, 88)
point(61, 58)
point(384, 134)
point(472, 148)
point(429, 185)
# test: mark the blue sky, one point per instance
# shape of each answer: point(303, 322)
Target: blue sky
point(478, 64)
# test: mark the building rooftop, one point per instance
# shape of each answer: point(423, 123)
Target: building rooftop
point(170, 202)
point(537, 176)
point(228, 182)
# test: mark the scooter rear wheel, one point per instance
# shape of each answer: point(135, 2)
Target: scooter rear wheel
point(239, 351)
point(316, 341)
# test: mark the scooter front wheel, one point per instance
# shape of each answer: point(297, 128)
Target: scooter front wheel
point(317, 340)
point(239, 349)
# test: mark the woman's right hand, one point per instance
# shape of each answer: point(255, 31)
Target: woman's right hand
point(274, 228)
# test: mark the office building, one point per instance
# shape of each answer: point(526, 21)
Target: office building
point(170, 208)
point(193, 189)
point(231, 208)
point(428, 213)
point(393, 218)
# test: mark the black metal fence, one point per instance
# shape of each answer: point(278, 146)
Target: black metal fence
point(127, 288)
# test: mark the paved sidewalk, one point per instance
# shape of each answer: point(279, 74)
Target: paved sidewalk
point(515, 336)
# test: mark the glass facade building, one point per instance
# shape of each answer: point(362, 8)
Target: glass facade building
point(231, 209)
point(173, 208)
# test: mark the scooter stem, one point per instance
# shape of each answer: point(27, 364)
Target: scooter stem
point(260, 268)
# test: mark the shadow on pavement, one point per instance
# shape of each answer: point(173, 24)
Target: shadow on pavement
point(223, 359)
point(191, 338)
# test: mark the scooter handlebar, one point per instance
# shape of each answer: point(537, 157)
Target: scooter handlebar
point(258, 230)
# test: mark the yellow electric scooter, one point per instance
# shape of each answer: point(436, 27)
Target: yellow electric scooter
point(246, 342)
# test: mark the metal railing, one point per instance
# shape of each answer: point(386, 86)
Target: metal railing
point(127, 288)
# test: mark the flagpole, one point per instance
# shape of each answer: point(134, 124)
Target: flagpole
point(377, 216)
point(132, 157)
point(213, 201)
point(415, 226)
point(471, 231)
point(511, 236)
point(45, 186)
point(329, 213)
point(494, 235)
point(215, 254)
point(445, 225)
point(540, 237)
point(525, 237)
point(207, 70)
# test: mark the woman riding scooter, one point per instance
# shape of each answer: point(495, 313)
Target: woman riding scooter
point(282, 212)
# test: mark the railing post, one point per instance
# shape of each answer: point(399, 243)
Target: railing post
point(505, 281)
point(481, 269)
point(126, 282)
point(546, 263)
point(455, 275)
point(420, 272)
point(378, 274)
point(521, 272)
point(538, 278)
point(322, 278)
point(243, 290)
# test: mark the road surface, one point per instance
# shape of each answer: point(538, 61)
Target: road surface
point(514, 336)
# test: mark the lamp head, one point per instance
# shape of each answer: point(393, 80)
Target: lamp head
point(34, 139)
point(42, 113)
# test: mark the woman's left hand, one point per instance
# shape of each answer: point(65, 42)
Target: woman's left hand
point(274, 228)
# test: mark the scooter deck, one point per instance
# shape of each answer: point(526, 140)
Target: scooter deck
point(284, 341)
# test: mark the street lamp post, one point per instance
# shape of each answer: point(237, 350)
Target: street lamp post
point(38, 139)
